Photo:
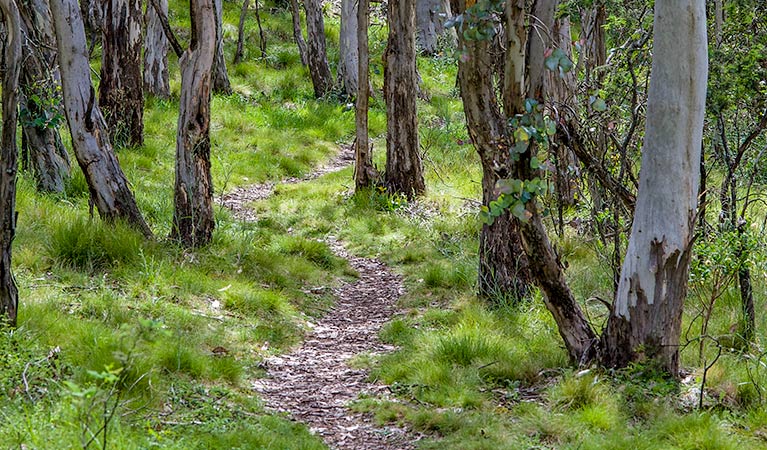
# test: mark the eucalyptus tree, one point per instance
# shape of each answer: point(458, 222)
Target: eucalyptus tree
point(316, 51)
point(221, 82)
point(644, 320)
point(39, 99)
point(109, 189)
point(404, 169)
point(348, 51)
point(156, 78)
point(364, 172)
point(9, 294)
point(193, 220)
point(502, 272)
point(121, 91)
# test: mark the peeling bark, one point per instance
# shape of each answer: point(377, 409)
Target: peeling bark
point(297, 33)
point(316, 55)
point(404, 170)
point(107, 184)
point(221, 84)
point(42, 150)
point(646, 317)
point(348, 62)
point(503, 267)
point(193, 219)
point(9, 294)
point(121, 92)
point(364, 171)
point(430, 19)
point(156, 79)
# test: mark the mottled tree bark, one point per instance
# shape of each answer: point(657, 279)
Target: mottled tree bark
point(646, 317)
point(193, 220)
point(42, 150)
point(524, 78)
point(364, 172)
point(156, 79)
point(221, 84)
point(93, 19)
point(404, 170)
point(348, 59)
point(503, 272)
point(430, 24)
point(107, 184)
point(297, 33)
point(121, 92)
point(316, 55)
point(9, 294)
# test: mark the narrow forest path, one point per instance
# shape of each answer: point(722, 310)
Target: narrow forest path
point(314, 383)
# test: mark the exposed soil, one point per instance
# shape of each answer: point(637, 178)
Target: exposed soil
point(314, 384)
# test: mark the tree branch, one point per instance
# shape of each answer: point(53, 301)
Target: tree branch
point(177, 49)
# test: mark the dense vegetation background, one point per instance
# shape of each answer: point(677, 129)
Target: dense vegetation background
point(159, 346)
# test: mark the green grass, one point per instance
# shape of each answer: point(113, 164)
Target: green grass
point(469, 376)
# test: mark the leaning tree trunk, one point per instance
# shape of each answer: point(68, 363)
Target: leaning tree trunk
point(9, 294)
point(524, 78)
point(348, 52)
point(404, 170)
point(316, 55)
point(503, 272)
point(42, 150)
point(364, 171)
point(646, 317)
point(156, 80)
point(107, 184)
point(297, 33)
point(193, 220)
point(121, 93)
point(430, 24)
point(221, 84)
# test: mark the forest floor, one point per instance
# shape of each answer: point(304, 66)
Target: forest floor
point(315, 383)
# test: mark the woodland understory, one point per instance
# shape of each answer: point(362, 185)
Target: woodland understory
point(383, 225)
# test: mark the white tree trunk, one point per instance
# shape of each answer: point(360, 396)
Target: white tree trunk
point(156, 77)
point(348, 59)
point(106, 181)
point(646, 317)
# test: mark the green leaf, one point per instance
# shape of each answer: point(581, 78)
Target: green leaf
point(534, 163)
point(599, 105)
point(518, 211)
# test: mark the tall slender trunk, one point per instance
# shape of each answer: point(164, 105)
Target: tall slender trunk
point(156, 79)
point(316, 55)
point(348, 52)
point(9, 294)
point(221, 84)
point(364, 172)
point(42, 150)
point(107, 184)
point(503, 268)
point(193, 220)
point(241, 32)
point(121, 92)
point(404, 170)
point(645, 320)
point(297, 33)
